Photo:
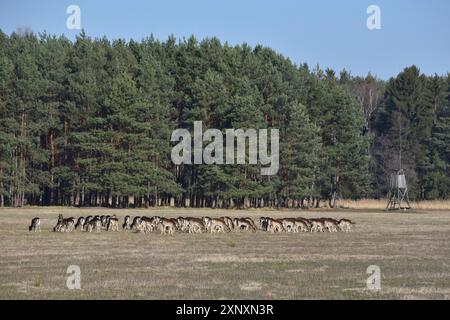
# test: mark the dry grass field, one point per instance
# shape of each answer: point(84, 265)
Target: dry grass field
point(381, 204)
point(411, 248)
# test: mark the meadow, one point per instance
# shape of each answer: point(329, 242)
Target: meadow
point(411, 248)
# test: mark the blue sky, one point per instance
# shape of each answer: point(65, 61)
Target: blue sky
point(326, 32)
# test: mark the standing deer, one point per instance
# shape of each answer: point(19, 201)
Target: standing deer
point(35, 225)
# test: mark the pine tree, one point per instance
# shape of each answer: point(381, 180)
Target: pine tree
point(7, 123)
point(89, 123)
point(405, 125)
point(437, 178)
point(300, 156)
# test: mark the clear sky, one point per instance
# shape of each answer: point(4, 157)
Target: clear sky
point(330, 33)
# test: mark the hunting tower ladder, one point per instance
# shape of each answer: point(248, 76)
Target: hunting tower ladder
point(398, 197)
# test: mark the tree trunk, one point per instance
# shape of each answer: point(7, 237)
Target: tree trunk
point(22, 164)
point(2, 197)
point(52, 163)
point(332, 201)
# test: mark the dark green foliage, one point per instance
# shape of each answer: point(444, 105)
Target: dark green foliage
point(412, 132)
point(88, 123)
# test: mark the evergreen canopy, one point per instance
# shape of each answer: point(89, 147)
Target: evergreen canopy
point(89, 123)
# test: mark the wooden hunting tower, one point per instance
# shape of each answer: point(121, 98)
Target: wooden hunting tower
point(398, 197)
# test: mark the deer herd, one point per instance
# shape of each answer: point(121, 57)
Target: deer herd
point(225, 224)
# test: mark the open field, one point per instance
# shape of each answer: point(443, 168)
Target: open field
point(412, 249)
point(381, 204)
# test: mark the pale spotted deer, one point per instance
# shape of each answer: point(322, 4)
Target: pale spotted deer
point(64, 225)
point(243, 224)
point(274, 226)
point(167, 226)
point(94, 224)
point(113, 224)
point(345, 225)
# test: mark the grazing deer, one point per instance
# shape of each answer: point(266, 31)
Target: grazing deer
point(167, 226)
point(196, 226)
point(274, 225)
point(264, 223)
point(228, 221)
point(242, 224)
point(35, 225)
point(86, 222)
point(183, 224)
point(305, 221)
point(289, 224)
point(345, 225)
point(148, 224)
point(113, 224)
point(103, 221)
point(135, 224)
point(190, 225)
point(216, 226)
point(94, 224)
point(80, 223)
point(207, 222)
point(330, 224)
point(126, 223)
point(301, 225)
point(250, 220)
point(107, 219)
point(317, 225)
point(64, 225)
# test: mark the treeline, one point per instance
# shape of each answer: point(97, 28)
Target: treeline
point(88, 123)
